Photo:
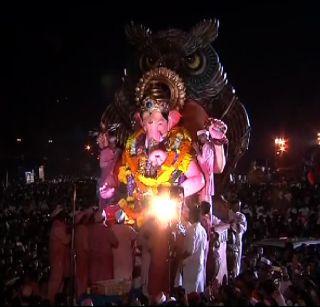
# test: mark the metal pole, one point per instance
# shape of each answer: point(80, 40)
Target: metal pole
point(169, 259)
point(170, 247)
point(73, 252)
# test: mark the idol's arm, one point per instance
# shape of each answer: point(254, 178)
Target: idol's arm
point(219, 159)
point(195, 180)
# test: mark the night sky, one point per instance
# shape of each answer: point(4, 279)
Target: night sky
point(61, 64)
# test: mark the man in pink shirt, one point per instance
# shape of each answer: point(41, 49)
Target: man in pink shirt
point(101, 241)
point(82, 251)
point(158, 279)
point(123, 254)
point(59, 253)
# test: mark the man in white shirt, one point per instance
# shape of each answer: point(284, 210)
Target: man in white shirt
point(238, 223)
point(194, 255)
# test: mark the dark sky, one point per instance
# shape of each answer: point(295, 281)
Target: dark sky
point(58, 65)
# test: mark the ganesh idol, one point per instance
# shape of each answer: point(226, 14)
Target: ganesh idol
point(161, 152)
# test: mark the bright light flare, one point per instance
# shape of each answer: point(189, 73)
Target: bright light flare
point(280, 141)
point(87, 147)
point(281, 145)
point(163, 208)
point(19, 140)
point(318, 138)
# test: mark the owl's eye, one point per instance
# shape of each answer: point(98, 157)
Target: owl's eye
point(194, 61)
point(150, 61)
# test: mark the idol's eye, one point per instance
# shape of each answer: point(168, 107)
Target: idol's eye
point(149, 104)
point(194, 61)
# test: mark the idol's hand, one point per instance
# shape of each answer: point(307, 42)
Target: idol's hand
point(106, 191)
point(102, 140)
point(218, 129)
point(158, 157)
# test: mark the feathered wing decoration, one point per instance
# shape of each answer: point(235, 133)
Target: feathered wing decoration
point(217, 98)
point(201, 35)
point(138, 35)
point(229, 109)
point(217, 81)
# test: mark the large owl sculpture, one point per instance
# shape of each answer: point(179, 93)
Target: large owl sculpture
point(209, 94)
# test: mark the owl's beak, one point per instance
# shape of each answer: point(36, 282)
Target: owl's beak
point(160, 63)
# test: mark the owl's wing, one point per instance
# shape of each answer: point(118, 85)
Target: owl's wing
point(119, 113)
point(227, 107)
point(202, 34)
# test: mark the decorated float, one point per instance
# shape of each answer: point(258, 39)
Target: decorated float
point(176, 89)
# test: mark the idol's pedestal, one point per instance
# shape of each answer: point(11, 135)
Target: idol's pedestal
point(222, 230)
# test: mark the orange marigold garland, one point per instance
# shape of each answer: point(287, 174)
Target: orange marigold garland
point(179, 148)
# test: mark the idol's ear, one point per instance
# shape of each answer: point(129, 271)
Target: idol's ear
point(137, 120)
point(173, 119)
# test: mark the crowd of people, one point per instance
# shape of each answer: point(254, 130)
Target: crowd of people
point(288, 210)
point(25, 222)
point(280, 209)
point(33, 217)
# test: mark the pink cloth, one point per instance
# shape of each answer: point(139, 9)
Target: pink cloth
point(82, 252)
point(101, 240)
point(206, 162)
point(59, 254)
point(123, 254)
point(143, 242)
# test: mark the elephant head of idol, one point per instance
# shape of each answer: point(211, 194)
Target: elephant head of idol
point(160, 95)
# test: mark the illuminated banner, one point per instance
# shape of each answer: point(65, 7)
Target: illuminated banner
point(29, 177)
point(41, 172)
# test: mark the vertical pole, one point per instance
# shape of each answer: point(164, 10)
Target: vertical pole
point(169, 259)
point(7, 179)
point(73, 252)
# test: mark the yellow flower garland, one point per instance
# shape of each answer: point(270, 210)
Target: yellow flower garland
point(166, 169)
